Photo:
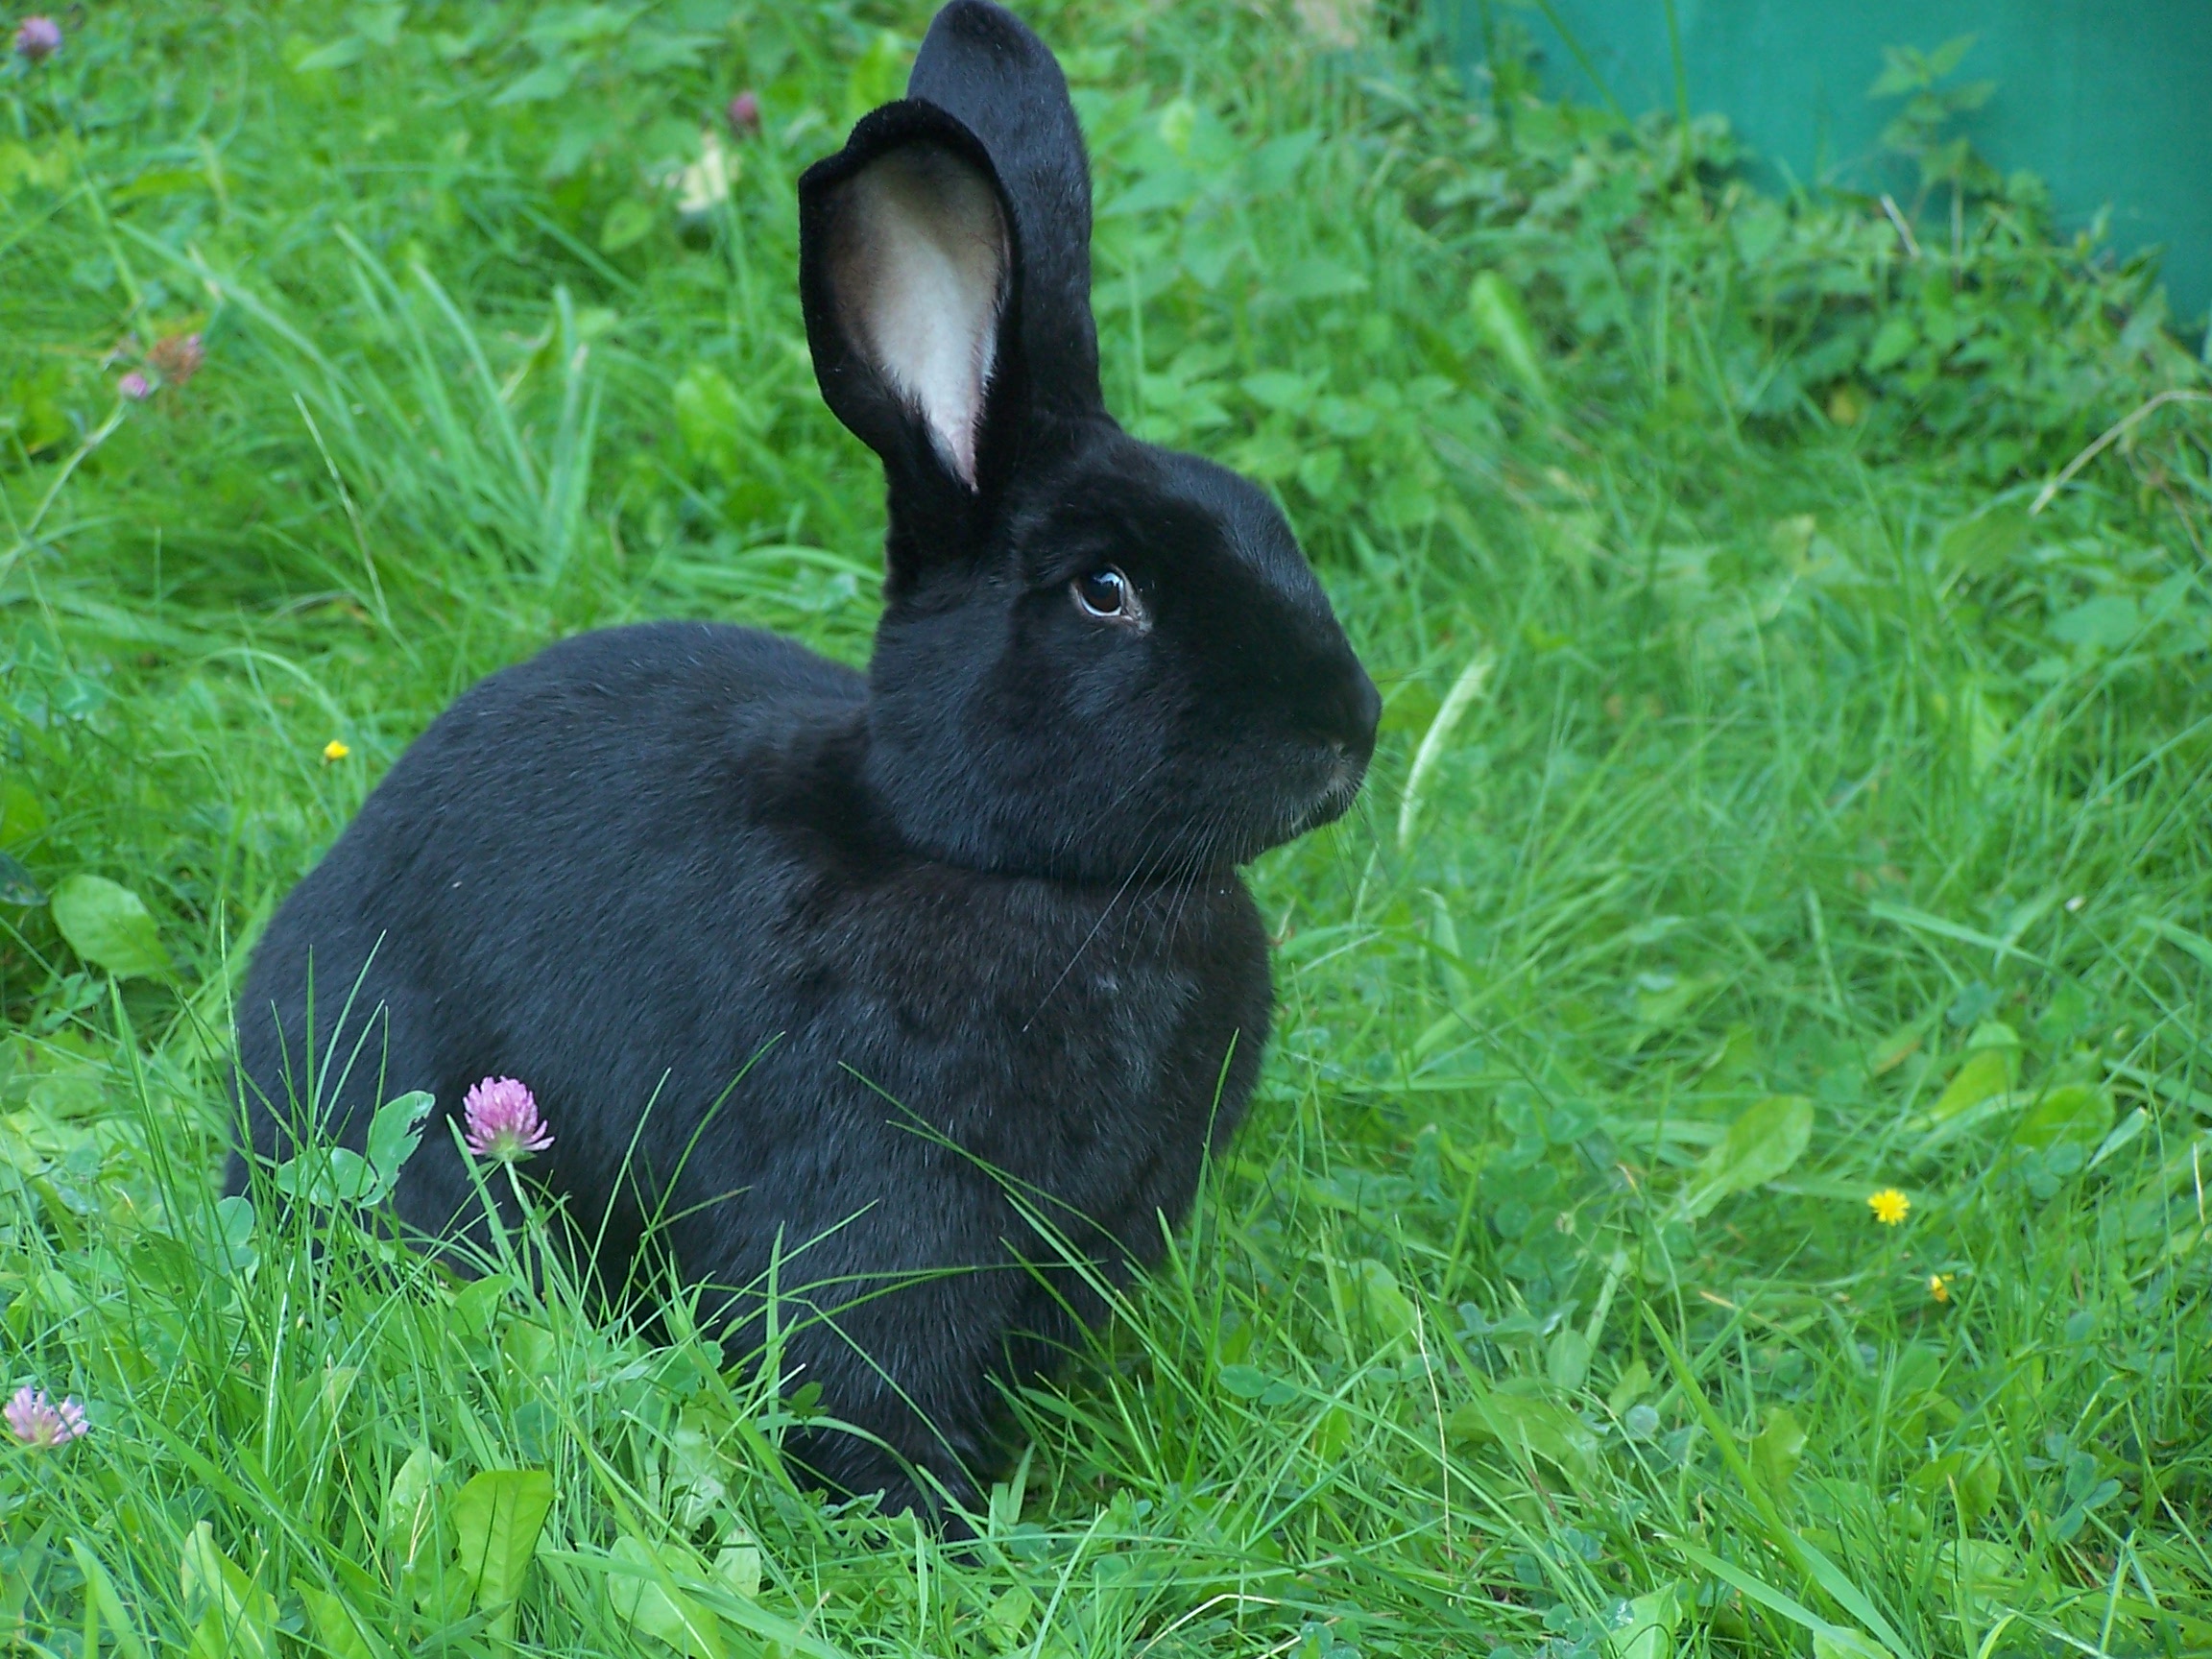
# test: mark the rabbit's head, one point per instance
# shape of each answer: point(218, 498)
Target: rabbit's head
point(1097, 658)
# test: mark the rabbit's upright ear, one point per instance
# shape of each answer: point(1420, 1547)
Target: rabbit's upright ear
point(906, 275)
point(983, 66)
point(944, 271)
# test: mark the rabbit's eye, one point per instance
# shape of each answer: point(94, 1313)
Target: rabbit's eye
point(1104, 593)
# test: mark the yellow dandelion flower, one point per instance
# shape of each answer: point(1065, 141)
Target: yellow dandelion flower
point(335, 750)
point(1940, 1287)
point(1890, 1206)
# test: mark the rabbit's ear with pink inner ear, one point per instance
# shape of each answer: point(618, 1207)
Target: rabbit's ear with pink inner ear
point(945, 272)
point(985, 67)
point(907, 276)
point(917, 269)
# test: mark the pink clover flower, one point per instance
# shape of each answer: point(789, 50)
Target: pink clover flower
point(43, 1424)
point(500, 1121)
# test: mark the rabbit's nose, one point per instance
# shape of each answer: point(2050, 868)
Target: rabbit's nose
point(1358, 710)
point(1336, 708)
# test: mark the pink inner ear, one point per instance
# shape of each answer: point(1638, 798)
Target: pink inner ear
point(920, 279)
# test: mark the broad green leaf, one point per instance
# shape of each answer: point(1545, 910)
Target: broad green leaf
point(1993, 1033)
point(340, 53)
point(1836, 1643)
point(2071, 1115)
point(1662, 1006)
point(1332, 1433)
point(628, 222)
point(496, 1520)
point(109, 927)
point(1280, 390)
point(378, 22)
point(476, 1303)
point(1317, 279)
point(1634, 1383)
point(115, 1618)
point(326, 1176)
point(159, 181)
point(1949, 56)
point(394, 1133)
point(338, 1629)
point(1567, 1361)
point(1987, 1073)
point(439, 1591)
point(710, 415)
point(237, 1617)
point(1903, 71)
point(1776, 1451)
point(645, 1596)
point(738, 1569)
point(408, 1507)
point(539, 86)
point(1761, 1144)
point(234, 1233)
point(1390, 1312)
point(1972, 1479)
point(1652, 1621)
point(1530, 1426)
point(1246, 1381)
point(1978, 1565)
point(1503, 326)
point(1985, 541)
point(22, 814)
point(2104, 623)
point(1008, 1616)
point(18, 887)
point(1893, 341)
point(1899, 1047)
point(2129, 1127)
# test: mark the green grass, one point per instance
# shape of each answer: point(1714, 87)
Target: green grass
point(1773, 810)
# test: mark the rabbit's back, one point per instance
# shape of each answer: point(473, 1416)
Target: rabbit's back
point(533, 843)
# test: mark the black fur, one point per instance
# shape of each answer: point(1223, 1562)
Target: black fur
point(893, 958)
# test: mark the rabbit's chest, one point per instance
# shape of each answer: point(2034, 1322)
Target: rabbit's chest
point(1030, 1023)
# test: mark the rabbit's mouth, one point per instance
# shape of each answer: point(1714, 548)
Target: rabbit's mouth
point(1335, 801)
point(1340, 788)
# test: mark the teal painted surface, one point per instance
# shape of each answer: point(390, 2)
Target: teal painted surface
point(2110, 103)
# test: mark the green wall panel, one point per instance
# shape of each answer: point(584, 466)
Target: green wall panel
point(2111, 102)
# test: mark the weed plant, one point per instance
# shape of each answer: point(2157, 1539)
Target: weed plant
point(1794, 622)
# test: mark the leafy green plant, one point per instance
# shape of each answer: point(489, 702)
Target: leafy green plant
point(1927, 108)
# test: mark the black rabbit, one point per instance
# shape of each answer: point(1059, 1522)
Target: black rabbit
point(863, 976)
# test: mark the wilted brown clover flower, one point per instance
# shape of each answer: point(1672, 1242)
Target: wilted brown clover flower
point(176, 357)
